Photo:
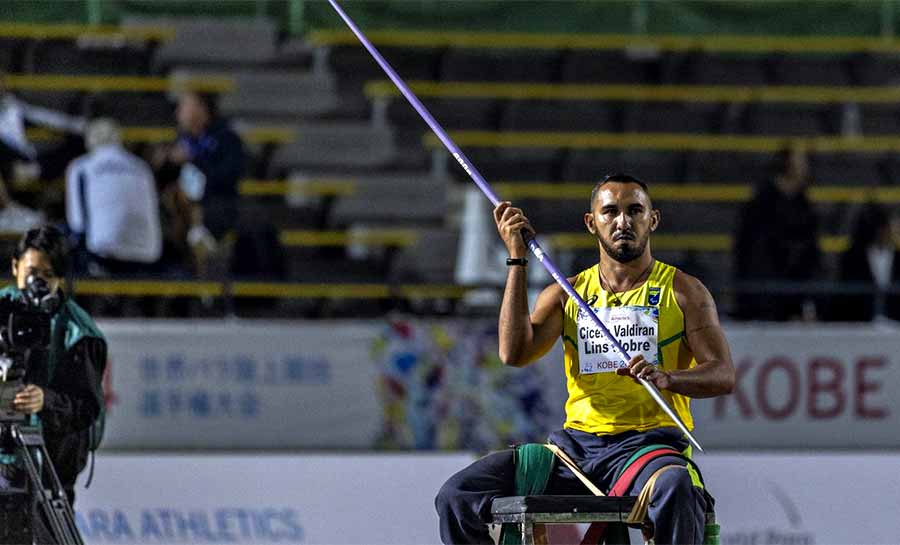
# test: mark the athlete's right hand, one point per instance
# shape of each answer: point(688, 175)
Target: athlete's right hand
point(510, 223)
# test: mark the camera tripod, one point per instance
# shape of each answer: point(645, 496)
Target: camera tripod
point(41, 488)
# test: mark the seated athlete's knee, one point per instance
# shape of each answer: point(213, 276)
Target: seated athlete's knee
point(446, 495)
point(441, 501)
point(676, 483)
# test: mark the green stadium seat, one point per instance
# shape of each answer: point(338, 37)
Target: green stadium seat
point(811, 69)
point(881, 119)
point(355, 65)
point(727, 167)
point(875, 69)
point(652, 166)
point(130, 109)
point(457, 113)
point(608, 67)
point(722, 69)
point(587, 165)
point(782, 119)
point(12, 53)
point(519, 164)
point(847, 169)
point(67, 57)
point(672, 117)
point(555, 115)
point(500, 65)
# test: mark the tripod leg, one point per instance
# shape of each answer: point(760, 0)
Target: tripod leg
point(54, 503)
point(63, 507)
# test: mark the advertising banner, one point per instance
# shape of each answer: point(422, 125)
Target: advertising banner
point(238, 385)
point(439, 385)
point(807, 387)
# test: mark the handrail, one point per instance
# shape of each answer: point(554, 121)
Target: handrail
point(36, 31)
point(152, 135)
point(664, 141)
point(707, 242)
point(734, 192)
point(664, 42)
point(281, 290)
point(638, 93)
point(137, 84)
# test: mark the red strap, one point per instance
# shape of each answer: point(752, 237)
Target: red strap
point(631, 472)
point(595, 532)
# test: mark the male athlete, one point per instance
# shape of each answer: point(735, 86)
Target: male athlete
point(665, 318)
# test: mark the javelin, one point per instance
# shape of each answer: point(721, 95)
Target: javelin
point(485, 188)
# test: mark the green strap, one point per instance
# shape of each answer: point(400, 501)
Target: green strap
point(534, 464)
point(637, 454)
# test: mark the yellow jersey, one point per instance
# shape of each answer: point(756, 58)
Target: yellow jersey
point(646, 320)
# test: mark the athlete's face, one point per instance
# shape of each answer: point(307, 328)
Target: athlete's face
point(622, 218)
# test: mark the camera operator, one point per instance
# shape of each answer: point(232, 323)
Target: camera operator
point(63, 382)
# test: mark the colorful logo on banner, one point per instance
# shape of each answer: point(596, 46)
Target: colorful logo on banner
point(442, 386)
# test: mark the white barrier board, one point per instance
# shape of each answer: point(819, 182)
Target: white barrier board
point(264, 499)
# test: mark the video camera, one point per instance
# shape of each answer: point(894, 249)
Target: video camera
point(24, 325)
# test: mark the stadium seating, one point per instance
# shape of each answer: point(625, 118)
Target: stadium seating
point(206, 41)
point(699, 119)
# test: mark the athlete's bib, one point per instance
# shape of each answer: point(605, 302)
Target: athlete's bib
point(636, 327)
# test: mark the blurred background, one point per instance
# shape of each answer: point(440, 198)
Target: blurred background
point(300, 286)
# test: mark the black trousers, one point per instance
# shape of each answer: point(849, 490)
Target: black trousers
point(677, 507)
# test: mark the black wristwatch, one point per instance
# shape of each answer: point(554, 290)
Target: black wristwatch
point(510, 261)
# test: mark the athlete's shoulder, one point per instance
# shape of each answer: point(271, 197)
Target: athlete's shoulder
point(689, 289)
point(555, 292)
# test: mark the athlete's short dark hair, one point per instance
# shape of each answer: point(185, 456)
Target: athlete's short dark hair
point(617, 177)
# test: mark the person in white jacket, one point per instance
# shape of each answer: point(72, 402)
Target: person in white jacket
point(112, 205)
point(14, 113)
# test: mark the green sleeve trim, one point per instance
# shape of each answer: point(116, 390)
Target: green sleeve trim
point(571, 341)
point(671, 339)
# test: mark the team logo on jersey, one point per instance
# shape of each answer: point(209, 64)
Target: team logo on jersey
point(653, 295)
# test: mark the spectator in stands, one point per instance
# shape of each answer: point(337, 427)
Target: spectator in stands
point(14, 144)
point(175, 217)
point(870, 263)
point(777, 241)
point(112, 206)
point(208, 161)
